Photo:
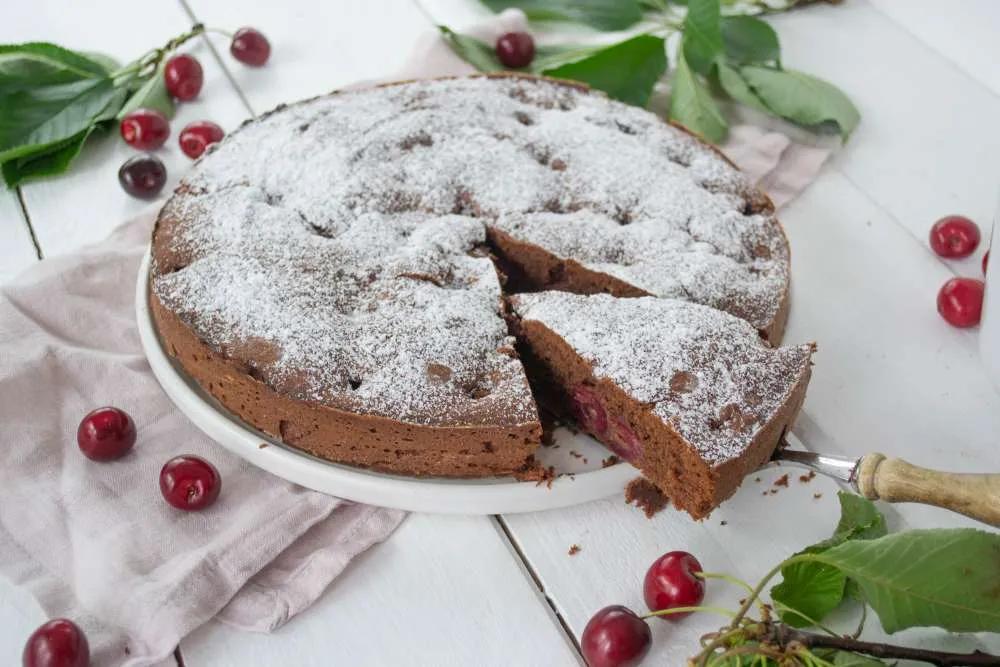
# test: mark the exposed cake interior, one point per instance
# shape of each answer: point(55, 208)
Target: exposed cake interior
point(690, 395)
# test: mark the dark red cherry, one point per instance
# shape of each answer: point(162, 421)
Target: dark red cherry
point(145, 129)
point(198, 136)
point(143, 176)
point(960, 302)
point(183, 76)
point(190, 482)
point(250, 47)
point(954, 236)
point(615, 637)
point(58, 643)
point(515, 49)
point(671, 582)
point(105, 434)
point(622, 440)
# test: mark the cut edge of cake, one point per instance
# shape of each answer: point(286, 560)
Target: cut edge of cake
point(689, 467)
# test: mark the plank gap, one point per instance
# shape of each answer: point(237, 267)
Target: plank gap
point(526, 565)
point(219, 60)
point(27, 222)
point(178, 657)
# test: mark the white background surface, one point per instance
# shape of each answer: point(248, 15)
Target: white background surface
point(890, 374)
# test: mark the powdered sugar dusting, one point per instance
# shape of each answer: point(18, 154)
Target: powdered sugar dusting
point(332, 244)
point(706, 372)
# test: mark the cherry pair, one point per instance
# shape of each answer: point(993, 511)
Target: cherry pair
point(960, 300)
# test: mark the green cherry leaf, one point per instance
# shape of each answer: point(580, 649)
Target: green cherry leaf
point(945, 578)
point(692, 106)
point(812, 589)
point(802, 98)
point(476, 52)
point(732, 82)
point(747, 39)
point(42, 117)
point(702, 42)
point(151, 94)
point(626, 71)
point(606, 15)
point(38, 64)
point(54, 160)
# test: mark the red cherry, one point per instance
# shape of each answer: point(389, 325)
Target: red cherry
point(190, 482)
point(515, 49)
point(615, 637)
point(986, 261)
point(588, 410)
point(58, 643)
point(250, 47)
point(143, 176)
point(183, 76)
point(623, 441)
point(670, 583)
point(954, 236)
point(960, 301)
point(198, 136)
point(105, 434)
point(145, 129)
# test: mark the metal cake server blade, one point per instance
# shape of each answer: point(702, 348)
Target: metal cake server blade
point(878, 477)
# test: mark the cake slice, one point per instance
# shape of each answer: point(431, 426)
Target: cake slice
point(690, 395)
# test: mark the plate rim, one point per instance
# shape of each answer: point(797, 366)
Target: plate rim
point(418, 494)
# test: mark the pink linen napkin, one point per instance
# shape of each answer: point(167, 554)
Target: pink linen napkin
point(95, 541)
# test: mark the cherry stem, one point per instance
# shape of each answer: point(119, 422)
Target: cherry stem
point(151, 59)
point(688, 610)
point(725, 577)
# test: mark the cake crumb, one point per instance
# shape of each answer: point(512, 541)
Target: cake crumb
point(644, 495)
point(610, 461)
point(817, 496)
point(723, 523)
point(756, 479)
point(262, 445)
point(574, 549)
point(575, 454)
point(805, 479)
point(546, 477)
point(782, 481)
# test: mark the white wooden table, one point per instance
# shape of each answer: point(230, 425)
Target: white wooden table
point(890, 374)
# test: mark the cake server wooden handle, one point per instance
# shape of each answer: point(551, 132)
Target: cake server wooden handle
point(976, 495)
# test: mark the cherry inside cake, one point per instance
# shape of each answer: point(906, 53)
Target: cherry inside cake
point(334, 273)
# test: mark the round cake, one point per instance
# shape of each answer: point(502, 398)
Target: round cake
point(334, 271)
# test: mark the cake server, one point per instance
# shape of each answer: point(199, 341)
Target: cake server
point(879, 477)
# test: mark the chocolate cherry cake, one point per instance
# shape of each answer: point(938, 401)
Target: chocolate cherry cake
point(328, 272)
point(688, 394)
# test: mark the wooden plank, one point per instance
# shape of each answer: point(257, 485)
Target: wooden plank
point(318, 46)
point(964, 32)
point(17, 252)
point(85, 204)
point(925, 146)
point(889, 376)
point(441, 591)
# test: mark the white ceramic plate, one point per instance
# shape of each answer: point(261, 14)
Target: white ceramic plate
point(577, 456)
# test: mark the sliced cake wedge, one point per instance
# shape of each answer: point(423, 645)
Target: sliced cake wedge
point(690, 395)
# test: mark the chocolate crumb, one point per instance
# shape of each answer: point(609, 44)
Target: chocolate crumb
point(773, 491)
point(817, 496)
point(585, 461)
point(782, 481)
point(548, 475)
point(610, 461)
point(262, 445)
point(805, 479)
point(756, 479)
point(723, 523)
point(575, 454)
point(644, 495)
point(574, 549)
